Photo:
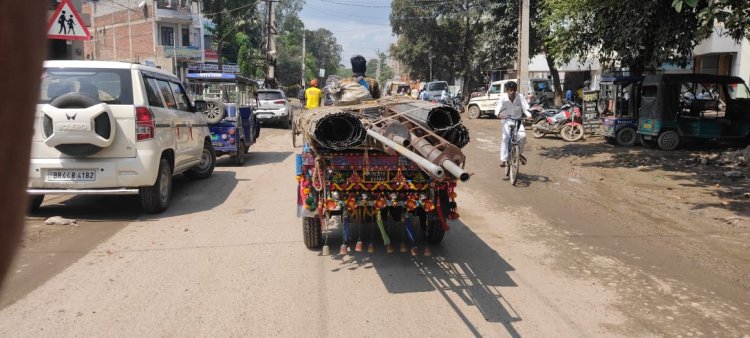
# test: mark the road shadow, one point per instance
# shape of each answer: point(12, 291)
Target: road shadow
point(463, 267)
point(188, 196)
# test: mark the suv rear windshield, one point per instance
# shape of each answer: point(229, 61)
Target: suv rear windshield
point(270, 96)
point(437, 86)
point(111, 86)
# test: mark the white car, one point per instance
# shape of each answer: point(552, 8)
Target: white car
point(115, 128)
point(274, 107)
point(485, 104)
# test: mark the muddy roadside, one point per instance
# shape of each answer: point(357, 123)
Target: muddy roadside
point(670, 231)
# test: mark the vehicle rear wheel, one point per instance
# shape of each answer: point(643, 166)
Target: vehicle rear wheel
point(668, 140)
point(239, 158)
point(155, 198)
point(35, 201)
point(514, 163)
point(474, 112)
point(311, 232)
point(435, 232)
point(626, 137)
point(206, 166)
point(215, 112)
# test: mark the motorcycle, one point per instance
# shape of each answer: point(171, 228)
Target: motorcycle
point(566, 122)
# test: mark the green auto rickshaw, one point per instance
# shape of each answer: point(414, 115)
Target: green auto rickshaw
point(678, 107)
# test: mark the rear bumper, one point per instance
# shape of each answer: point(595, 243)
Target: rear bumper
point(113, 175)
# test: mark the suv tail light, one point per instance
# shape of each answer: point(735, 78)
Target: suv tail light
point(144, 124)
point(280, 102)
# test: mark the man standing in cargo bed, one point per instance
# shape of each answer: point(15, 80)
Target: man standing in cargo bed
point(359, 68)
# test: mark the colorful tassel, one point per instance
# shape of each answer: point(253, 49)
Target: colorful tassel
point(370, 248)
point(427, 251)
point(386, 239)
point(415, 251)
point(410, 230)
point(389, 248)
point(403, 247)
point(326, 250)
point(343, 250)
point(345, 228)
point(358, 246)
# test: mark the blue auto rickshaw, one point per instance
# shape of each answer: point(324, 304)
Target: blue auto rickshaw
point(619, 103)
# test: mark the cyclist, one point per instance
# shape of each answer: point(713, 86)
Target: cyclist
point(510, 107)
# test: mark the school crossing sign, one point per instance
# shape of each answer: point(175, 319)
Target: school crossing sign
point(66, 24)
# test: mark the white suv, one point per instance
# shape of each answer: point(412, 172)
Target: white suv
point(115, 128)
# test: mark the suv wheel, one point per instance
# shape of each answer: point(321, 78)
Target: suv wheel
point(155, 198)
point(239, 158)
point(35, 201)
point(474, 112)
point(206, 166)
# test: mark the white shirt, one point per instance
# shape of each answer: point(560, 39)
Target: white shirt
point(514, 109)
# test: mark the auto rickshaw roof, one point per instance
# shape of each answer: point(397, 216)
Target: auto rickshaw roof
point(707, 78)
point(621, 79)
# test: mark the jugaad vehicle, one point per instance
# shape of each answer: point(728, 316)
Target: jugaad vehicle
point(115, 128)
point(679, 107)
point(230, 99)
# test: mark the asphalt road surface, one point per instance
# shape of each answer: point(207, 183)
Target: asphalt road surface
point(547, 258)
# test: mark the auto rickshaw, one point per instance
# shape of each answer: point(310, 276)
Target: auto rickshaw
point(619, 102)
point(677, 107)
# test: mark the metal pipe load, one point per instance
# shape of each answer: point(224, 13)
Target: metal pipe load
point(333, 128)
point(446, 156)
point(429, 115)
point(433, 169)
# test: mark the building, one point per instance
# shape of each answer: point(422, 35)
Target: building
point(721, 55)
point(165, 33)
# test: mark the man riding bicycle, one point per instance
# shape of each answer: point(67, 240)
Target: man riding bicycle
point(511, 107)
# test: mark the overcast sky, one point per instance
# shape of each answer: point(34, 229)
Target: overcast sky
point(360, 26)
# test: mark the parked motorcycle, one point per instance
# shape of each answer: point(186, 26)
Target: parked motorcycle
point(566, 122)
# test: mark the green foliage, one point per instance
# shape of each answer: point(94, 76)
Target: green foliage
point(385, 70)
point(639, 34)
point(733, 15)
point(229, 18)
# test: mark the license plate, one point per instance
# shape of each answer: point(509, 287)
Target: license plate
point(71, 175)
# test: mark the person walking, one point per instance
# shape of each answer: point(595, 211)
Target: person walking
point(62, 21)
point(510, 107)
point(313, 95)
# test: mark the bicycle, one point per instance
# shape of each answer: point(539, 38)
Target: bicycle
point(514, 153)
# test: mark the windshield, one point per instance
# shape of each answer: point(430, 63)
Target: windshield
point(437, 86)
point(111, 86)
point(269, 96)
point(738, 91)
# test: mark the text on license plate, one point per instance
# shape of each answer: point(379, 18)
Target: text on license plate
point(71, 175)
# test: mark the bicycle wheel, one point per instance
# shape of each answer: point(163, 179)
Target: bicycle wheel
point(507, 163)
point(514, 164)
point(294, 134)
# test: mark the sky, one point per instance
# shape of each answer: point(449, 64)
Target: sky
point(360, 26)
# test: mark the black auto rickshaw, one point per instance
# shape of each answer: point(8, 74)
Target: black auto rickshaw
point(675, 107)
point(619, 103)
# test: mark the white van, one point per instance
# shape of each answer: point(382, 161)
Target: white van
point(115, 128)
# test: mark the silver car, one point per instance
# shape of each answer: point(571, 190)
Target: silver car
point(274, 107)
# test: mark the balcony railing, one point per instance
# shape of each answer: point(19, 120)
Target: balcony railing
point(178, 5)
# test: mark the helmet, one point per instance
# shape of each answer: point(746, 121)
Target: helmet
point(511, 84)
point(314, 82)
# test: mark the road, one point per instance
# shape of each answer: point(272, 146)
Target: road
point(547, 258)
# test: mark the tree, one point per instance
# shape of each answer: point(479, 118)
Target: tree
point(638, 34)
point(230, 17)
point(733, 15)
point(385, 70)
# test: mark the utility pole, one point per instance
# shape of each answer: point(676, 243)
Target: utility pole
point(271, 45)
point(303, 58)
point(523, 47)
point(377, 70)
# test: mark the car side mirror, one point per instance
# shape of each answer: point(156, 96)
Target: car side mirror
point(201, 106)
